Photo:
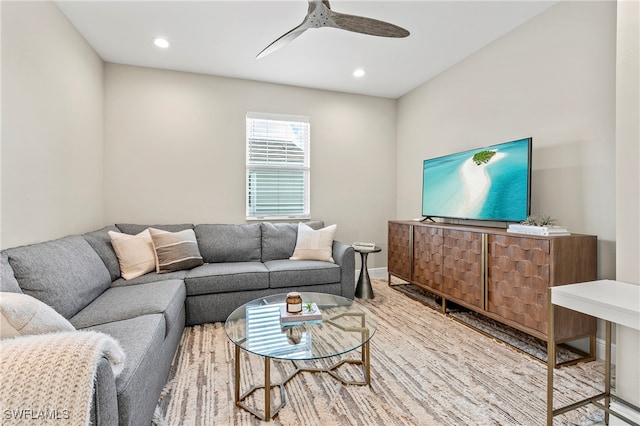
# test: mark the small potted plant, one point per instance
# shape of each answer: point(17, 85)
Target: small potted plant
point(539, 220)
point(538, 225)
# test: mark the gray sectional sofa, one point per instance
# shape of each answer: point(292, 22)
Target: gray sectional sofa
point(79, 276)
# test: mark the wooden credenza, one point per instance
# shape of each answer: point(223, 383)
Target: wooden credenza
point(500, 275)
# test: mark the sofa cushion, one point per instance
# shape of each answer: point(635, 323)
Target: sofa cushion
point(66, 274)
point(101, 243)
point(175, 251)
point(295, 273)
point(151, 277)
point(226, 277)
point(8, 282)
point(314, 224)
point(133, 229)
point(230, 243)
point(314, 244)
point(278, 240)
point(135, 253)
point(22, 315)
point(121, 303)
point(139, 338)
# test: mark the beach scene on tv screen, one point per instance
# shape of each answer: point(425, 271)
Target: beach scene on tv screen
point(487, 183)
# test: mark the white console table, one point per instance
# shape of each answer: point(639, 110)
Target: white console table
point(613, 301)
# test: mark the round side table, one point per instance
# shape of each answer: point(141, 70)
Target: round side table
point(363, 289)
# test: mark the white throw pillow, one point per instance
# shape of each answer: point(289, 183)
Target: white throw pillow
point(21, 315)
point(135, 253)
point(314, 244)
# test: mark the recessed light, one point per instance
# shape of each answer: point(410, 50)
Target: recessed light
point(161, 42)
point(358, 73)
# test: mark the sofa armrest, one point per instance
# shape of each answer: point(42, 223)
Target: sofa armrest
point(40, 369)
point(104, 405)
point(344, 256)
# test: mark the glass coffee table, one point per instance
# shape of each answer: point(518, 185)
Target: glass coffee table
point(256, 327)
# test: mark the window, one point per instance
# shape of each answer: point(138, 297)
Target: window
point(277, 166)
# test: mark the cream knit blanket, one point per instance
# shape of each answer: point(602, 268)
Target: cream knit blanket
point(48, 379)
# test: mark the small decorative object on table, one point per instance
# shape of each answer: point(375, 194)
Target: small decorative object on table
point(363, 246)
point(538, 225)
point(309, 312)
point(539, 220)
point(294, 303)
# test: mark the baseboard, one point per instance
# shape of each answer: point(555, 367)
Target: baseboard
point(601, 345)
point(625, 411)
point(378, 273)
point(375, 273)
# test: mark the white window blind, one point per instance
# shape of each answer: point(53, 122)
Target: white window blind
point(277, 166)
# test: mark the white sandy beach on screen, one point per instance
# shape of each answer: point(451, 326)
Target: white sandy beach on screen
point(476, 183)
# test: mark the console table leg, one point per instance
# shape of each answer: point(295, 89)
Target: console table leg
point(607, 371)
point(551, 360)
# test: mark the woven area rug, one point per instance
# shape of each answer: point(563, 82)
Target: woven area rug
point(427, 369)
point(526, 343)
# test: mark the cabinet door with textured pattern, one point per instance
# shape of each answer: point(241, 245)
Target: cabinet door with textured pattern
point(427, 256)
point(399, 253)
point(462, 266)
point(519, 275)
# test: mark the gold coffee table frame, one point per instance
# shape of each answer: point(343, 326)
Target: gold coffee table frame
point(270, 412)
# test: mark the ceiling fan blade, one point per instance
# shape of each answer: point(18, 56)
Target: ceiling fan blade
point(370, 26)
point(282, 41)
point(319, 14)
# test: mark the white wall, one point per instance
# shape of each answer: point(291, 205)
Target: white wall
point(175, 150)
point(552, 78)
point(52, 115)
point(628, 188)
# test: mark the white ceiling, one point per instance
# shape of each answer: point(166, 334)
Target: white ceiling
point(223, 37)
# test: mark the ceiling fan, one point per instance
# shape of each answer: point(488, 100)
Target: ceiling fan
point(320, 15)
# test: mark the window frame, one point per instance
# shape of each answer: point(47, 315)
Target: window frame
point(305, 168)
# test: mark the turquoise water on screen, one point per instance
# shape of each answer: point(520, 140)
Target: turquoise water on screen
point(506, 199)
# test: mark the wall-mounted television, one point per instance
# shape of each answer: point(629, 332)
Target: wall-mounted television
point(492, 183)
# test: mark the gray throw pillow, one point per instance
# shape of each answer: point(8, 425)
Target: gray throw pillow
point(175, 251)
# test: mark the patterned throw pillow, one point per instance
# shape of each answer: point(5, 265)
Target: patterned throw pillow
point(175, 251)
point(135, 253)
point(314, 245)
